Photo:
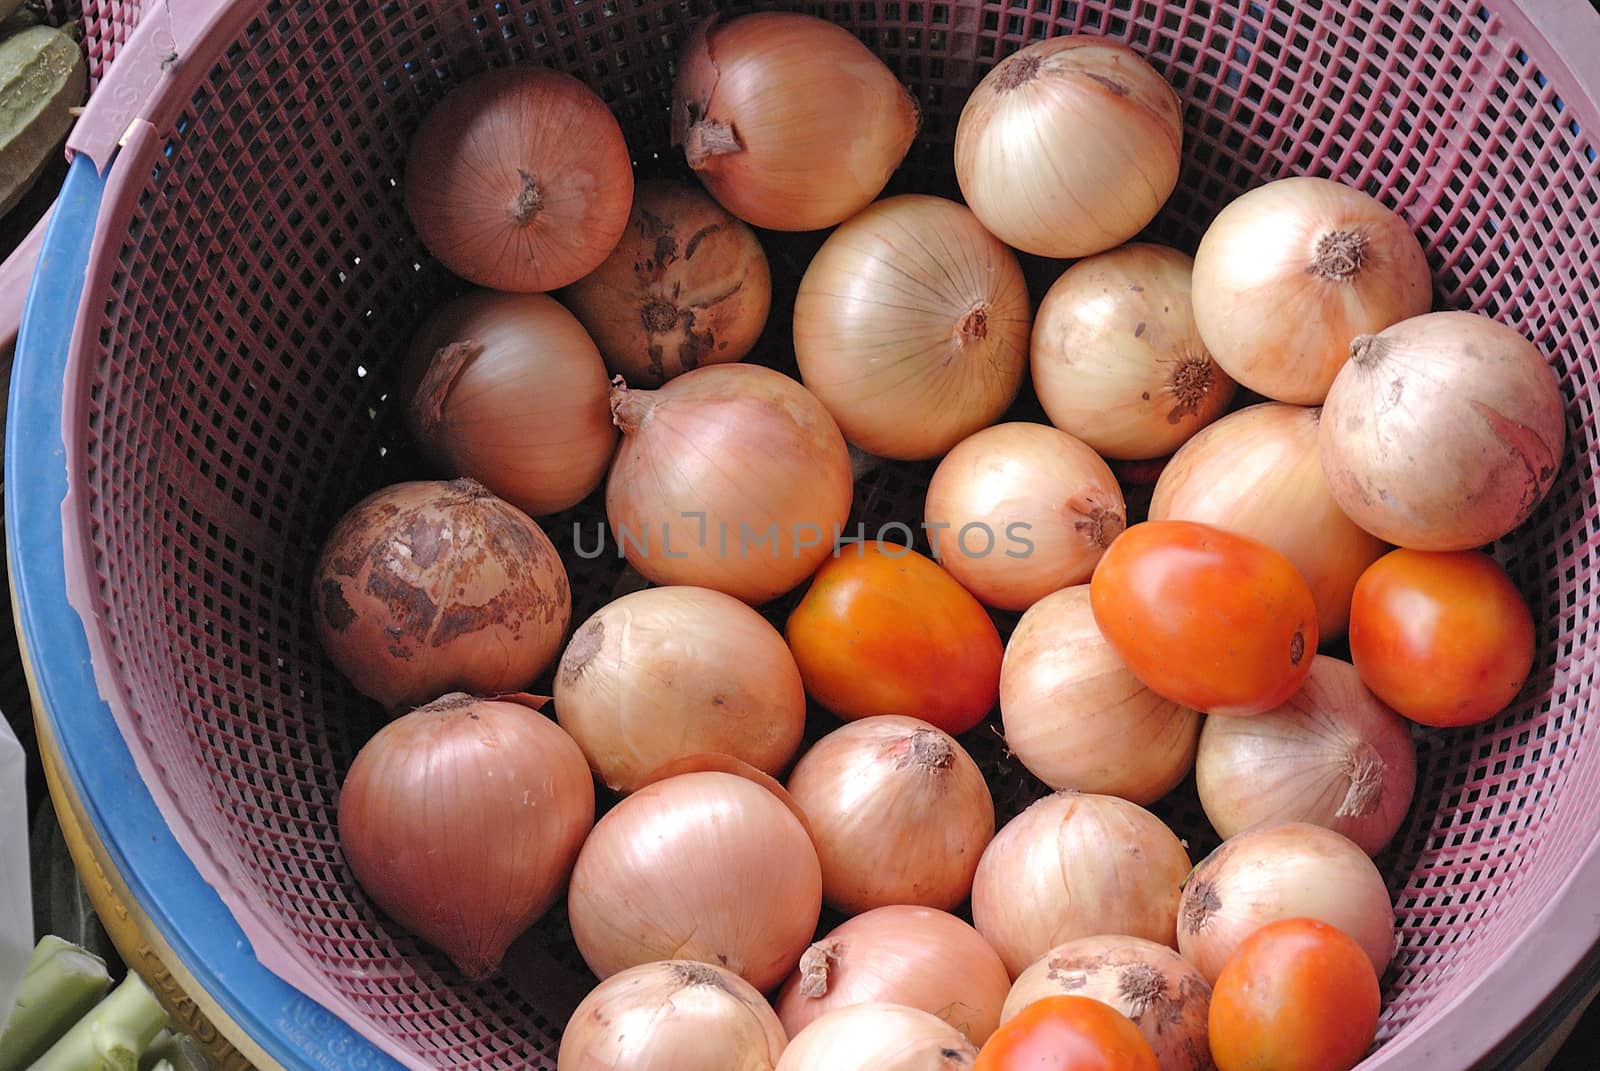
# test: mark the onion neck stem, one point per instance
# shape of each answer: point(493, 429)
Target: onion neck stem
point(707, 139)
point(630, 407)
point(529, 200)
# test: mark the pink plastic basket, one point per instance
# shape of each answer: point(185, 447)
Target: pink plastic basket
point(253, 279)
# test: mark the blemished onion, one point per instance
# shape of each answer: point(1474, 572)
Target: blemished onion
point(1444, 432)
point(1280, 871)
point(790, 121)
point(1077, 717)
point(670, 1016)
point(1069, 146)
point(915, 957)
point(509, 390)
point(519, 179)
point(878, 1037)
point(732, 477)
point(1165, 997)
point(911, 325)
point(1075, 865)
point(1258, 472)
point(1333, 755)
point(429, 587)
point(704, 866)
point(462, 821)
point(1020, 510)
point(1116, 358)
point(899, 812)
point(688, 285)
point(667, 673)
point(1290, 272)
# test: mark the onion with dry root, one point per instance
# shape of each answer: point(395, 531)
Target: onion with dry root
point(1077, 717)
point(1258, 472)
point(1165, 997)
point(509, 390)
point(1281, 871)
point(1020, 510)
point(688, 285)
point(878, 1037)
point(790, 121)
point(915, 957)
point(911, 324)
point(428, 587)
point(462, 820)
point(899, 812)
point(1069, 146)
point(1076, 865)
point(669, 1016)
point(1333, 755)
point(1444, 432)
point(519, 179)
point(1116, 358)
point(704, 866)
point(1290, 272)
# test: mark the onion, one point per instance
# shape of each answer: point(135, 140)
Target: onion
point(1289, 273)
point(792, 123)
point(1166, 998)
point(1069, 146)
point(462, 820)
point(704, 866)
point(519, 179)
point(671, 1016)
point(899, 811)
point(1258, 472)
point(1076, 865)
point(1286, 870)
point(510, 390)
point(732, 477)
point(1116, 357)
point(666, 673)
point(1333, 755)
point(1443, 432)
point(911, 956)
point(430, 587)
point(1077, 717)
point(911, 325)
point(878, 1037)
point(1020, 510)
point(687, 286)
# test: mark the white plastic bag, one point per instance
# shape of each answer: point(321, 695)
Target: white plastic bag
point(16, 895)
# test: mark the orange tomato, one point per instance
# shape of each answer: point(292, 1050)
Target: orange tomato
point(1067, 1033)
point(1205, 617)
point(1443, 638)
point(884, 630)
point(1297, 995)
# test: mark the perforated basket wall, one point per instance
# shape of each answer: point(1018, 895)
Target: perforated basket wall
point(104, 25)
point(236, 403)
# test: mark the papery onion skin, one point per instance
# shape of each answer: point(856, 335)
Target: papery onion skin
point(672, 1015)
point(510, 390)
point(1116, 358)
point(790, 121)
point(1076, 865)
point(519, 180)
point(705, 866)
point(1077, 717)
point(899, 812)
point(911, 325)
point(878, 1037)
point(1258, 472)
point(688, 285)
point(462, 821)
point(1107, 133)
point(1443, 432)
point(428, 587)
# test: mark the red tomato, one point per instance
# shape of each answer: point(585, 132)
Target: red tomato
point(1067, 1033)
point(1205, 617)
point(1443, 638)
point(885, 630)
point(1297, 995)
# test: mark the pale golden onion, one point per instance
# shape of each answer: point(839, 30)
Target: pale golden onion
point(878, 1037)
